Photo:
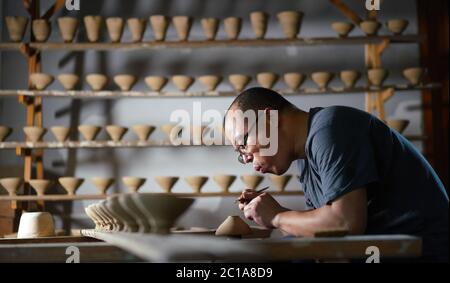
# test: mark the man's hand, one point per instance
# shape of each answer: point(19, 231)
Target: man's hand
point(261, 208)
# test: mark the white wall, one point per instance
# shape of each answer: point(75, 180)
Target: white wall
point(207, 212)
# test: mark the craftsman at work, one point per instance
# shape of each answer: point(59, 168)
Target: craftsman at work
point(357, 174)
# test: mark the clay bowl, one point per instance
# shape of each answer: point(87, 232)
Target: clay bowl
point(70, 184)
point(280, 182)
point(34, 134)
point(35, 225)
point(159, 25)
point(182, 82)
point(124, 81)
point(349, 78)
point(293, 80)
point(116, 132)
point(239, 81)
point(133, 183)
point(113, 204)
point(252, 181)
point(143, 131)
point(155, 83)
point(89, 132)
point(233, 226)
point(41, 29)
point(16, 26)
point(370, 27)
point(96, 81)
point(67, 27)
point(127, 204)
point(161, 210)
point(41, 81)
point(172, 131)
point(93, 26)
point(68, 81)
point(397, 26)
point(210, 27)
point(4, 132)
point(290, 22)
point(166, 182)
point(183, 26)
point(322, 79)
point(259, 21)
point(11, 185)
point(40, 185)
point(267, 79)
point(196, 182)
point(233, 27)
point(342, 28)
point(224, 181)
point(377, 76)
point(136, 26)
point(102, 184)
point(413, 75)
point(61, 133)
point(115, 28)
point(397, 124)
point(210, 81)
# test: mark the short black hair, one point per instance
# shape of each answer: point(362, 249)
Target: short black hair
point(260, 98)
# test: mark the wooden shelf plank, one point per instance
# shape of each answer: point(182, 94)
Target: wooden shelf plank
point(163, 94)
point(99, 197)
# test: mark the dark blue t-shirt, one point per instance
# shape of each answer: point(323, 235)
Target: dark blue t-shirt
point(347, 149)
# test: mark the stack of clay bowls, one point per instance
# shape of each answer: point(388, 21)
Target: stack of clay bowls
point(143, 213)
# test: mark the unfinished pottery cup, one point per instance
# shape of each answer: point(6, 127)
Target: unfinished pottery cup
point(115, 28)
point(102, 184)
point(41, 30)
point(40, 185)
point(93, 26)
point(233, 27)
point(349, 78)
point(34, 134)
point(413, 75)
point(35, 225)
point(342, 28)
point(11, 185)
point(397, 124)
point(224, 181)
point(182, 82)
point(377, 76)
point(125, 81)
point(67, 27)
point(267, 79)
point(259, 21)
point(166, 182)
point(293, 80)
point(322, 79)
point(210, 27)
point(252, 181)
point(280, 182)
point(137, 28)
point(16, 26)
point(290, 22)
point(196, 182)
point(159, 25)
point(97, 81)
point(233, 226)
point(70, 184)
point(89, 132)
point(210, 81)
point(61, 133)
point(133, 183)
point(370, 27)
point(155, 83)
point(239, 81)
point(183, 26)
point(41, 81)
point(116, 132)
point(68, 81)
point(4, 132)
point(172, 131)
point(143, 131)
point(397, 26)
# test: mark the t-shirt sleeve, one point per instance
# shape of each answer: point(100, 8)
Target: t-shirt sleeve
point(345, 161)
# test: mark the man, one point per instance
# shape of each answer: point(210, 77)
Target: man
point(356, 172)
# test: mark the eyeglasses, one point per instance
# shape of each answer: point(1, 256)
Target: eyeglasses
point(244, 144)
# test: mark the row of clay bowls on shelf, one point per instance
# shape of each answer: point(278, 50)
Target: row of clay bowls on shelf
point(143, 213)
point(71, 184)
point(293, 80)
point(290, 22)
point(370, 27)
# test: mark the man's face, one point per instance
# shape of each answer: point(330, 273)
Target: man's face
point(246, 143)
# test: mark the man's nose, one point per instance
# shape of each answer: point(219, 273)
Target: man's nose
point(248, 158)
